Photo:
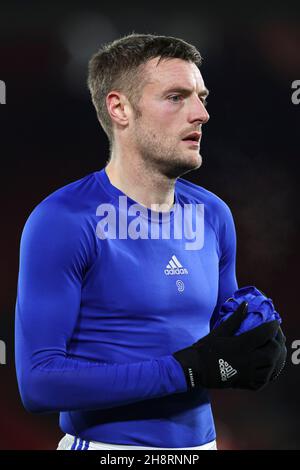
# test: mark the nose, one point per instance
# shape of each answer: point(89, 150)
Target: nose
point(198, 112)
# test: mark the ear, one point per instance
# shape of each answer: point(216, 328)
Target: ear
point(118, 107)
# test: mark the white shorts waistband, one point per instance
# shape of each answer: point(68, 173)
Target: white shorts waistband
point(69, 442)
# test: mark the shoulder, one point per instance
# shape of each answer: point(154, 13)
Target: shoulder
point(217, 214)
point(72, 196)
point(65, 210)
point(215, 208)
point(60, 228)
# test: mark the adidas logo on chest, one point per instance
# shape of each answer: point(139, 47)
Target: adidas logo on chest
point(174, 267)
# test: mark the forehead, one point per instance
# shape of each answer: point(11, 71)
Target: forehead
point(173, 72)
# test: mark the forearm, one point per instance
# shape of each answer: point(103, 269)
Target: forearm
point(65, 384)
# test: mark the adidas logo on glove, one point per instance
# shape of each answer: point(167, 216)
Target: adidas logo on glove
point(226, 370)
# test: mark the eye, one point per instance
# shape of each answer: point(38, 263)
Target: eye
point(175, 98)
point(204, 101)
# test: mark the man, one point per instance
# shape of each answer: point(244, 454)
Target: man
point(113, 318)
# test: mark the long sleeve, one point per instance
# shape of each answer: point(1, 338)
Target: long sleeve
point(227, 259)
point(56, 251)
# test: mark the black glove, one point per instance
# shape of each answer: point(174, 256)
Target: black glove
point(281, 339)
point(222, 360)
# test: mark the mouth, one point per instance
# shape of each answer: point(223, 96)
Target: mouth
point(193, 139)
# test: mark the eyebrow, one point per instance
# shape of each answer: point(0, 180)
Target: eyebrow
point(204, 92)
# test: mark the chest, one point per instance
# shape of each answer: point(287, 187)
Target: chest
point(148, 278)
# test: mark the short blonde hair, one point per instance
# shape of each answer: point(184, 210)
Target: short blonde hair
point(119, 66)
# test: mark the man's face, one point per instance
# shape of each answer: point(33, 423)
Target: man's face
point(171, 107)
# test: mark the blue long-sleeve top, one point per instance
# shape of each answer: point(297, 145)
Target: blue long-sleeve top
point(98, 317)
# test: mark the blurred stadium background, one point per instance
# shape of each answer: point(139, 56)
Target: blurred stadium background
point(50, 137)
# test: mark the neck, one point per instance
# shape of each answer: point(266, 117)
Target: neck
point(149, 188)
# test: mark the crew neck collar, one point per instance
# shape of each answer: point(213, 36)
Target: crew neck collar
point(116, 192)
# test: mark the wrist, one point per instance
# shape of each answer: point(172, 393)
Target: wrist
point(189, 361)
